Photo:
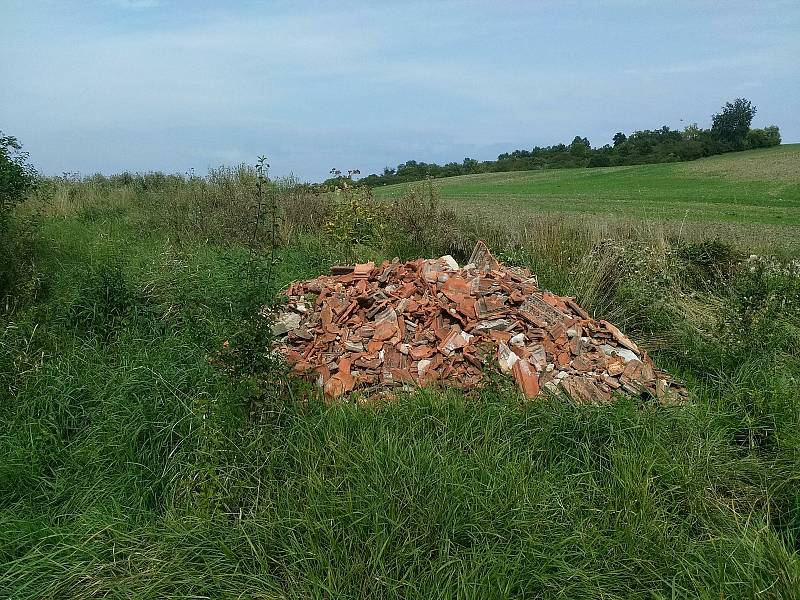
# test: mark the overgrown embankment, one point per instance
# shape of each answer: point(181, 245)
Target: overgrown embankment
point(142, 455)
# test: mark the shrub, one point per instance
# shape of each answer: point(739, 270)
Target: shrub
point(759, 319)
point(599, 160)
point(303, 209)
point(17, 176)
point(419, 224)
point(355, 217)
point(763, 138)
point(17, 179)
point(707, 262)
point(220, 208)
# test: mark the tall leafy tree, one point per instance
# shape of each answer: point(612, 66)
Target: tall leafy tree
point(732, 124)
point(580, 146)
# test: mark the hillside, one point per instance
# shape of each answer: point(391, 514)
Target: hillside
point(752, 187)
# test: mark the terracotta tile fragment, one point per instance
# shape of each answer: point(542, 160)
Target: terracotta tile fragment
point(383, 331)
point(402, 375)
point(501, 336)
point(620, 337)
point(616, 368)
point(420, 352)
point(327, 315)
point(362, 271)
point(342, 269)
point(576, 309)
point(526, 378)
point(482, 259)
point(581, 364)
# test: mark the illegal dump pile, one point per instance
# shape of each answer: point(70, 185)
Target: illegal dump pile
point(367, 327)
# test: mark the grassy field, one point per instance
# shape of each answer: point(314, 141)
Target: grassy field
point(756, 191)
point(138, 459)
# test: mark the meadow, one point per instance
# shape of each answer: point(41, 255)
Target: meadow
point(151, 446)
point(753, 195)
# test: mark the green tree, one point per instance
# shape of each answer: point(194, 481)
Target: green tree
point(691, 132)
point(619, 138)
point(580, 146)
point(763, 138)
point(469, 165)
point(732, 124)
point(16, 175)
point(773, 135)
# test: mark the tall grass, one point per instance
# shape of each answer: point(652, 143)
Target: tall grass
point(139, 460)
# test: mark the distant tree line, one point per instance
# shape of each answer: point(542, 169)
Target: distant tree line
point(730, 131)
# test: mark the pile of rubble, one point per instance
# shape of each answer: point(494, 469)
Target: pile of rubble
point(367, 327)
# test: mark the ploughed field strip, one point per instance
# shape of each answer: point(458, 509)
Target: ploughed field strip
point(368, 327)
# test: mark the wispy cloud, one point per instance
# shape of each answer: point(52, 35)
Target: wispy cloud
point(774, 57)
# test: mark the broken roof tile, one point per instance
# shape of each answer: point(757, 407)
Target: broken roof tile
point(427, 320)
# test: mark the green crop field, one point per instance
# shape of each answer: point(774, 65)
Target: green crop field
point(728, 192)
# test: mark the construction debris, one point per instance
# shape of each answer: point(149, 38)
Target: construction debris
point(366, 327)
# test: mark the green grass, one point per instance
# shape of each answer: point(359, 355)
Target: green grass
point(759, 188)
point(133, 465)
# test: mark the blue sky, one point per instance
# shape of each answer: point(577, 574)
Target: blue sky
point(112, 85)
